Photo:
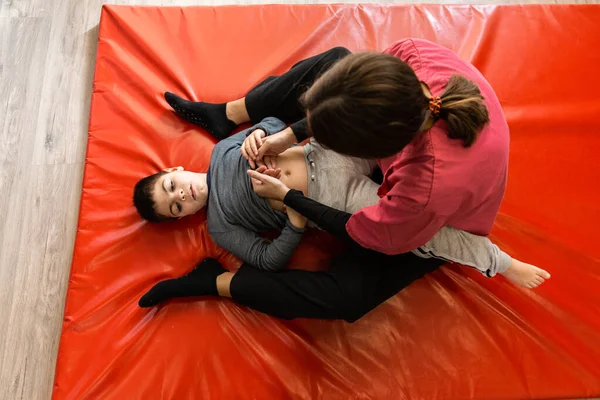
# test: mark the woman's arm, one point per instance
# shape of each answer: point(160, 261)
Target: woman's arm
point(300, 130)
point(329, 219)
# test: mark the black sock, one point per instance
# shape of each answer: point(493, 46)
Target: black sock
point(200, 282)
point(209, 116)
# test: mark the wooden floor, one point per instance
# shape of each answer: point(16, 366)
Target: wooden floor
point(47, 56)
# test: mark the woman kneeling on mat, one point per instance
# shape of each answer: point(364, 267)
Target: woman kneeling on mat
point(441, 140)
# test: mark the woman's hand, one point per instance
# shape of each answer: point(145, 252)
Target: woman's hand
point(267, 186)
point(276, 144)
point(297, 219)
point(269, 161)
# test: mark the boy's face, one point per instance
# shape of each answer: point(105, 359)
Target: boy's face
point(179, 193)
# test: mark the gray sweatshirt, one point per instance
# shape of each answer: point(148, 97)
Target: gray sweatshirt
point(236, 215)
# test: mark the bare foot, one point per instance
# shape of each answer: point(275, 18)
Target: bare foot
point(526, 275)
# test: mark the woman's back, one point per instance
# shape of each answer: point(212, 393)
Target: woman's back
point(436, 180)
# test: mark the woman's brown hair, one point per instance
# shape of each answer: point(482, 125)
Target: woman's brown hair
point(463, 109)
point(372, 105)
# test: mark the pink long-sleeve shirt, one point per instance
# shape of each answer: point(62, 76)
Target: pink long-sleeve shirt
point(435, 181)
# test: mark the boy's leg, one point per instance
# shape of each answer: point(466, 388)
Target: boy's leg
point(276, 96)
point(201, 281)
point(357, 283)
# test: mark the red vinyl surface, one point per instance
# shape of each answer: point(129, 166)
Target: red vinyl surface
point(452, 335)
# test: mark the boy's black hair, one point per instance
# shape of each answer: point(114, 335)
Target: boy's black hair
point(143, 201)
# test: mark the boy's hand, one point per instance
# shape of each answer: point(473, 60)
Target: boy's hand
point(274, 172)
point(269, 161)
point(251, 145)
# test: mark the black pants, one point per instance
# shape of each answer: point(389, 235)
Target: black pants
point(278, 96)
point(359, 280)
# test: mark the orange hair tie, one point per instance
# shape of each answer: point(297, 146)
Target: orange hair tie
point(435, 105)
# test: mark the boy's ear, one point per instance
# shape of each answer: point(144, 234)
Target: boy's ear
point(173, 169)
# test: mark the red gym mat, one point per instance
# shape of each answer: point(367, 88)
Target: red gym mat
point(454, 334)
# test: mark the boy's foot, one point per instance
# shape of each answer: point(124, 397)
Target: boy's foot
point(526, 275)
point(202, 281)
point(212, 117)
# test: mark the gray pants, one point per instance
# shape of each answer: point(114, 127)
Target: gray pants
point(344, 183)
point(339, 181)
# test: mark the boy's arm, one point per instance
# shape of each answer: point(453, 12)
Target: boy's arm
point(257, 251)
point(270, 125)
point(465, 248)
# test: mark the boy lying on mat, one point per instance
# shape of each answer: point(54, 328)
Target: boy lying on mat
point(236, 214)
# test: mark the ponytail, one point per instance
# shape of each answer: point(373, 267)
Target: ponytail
point(462, 107)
